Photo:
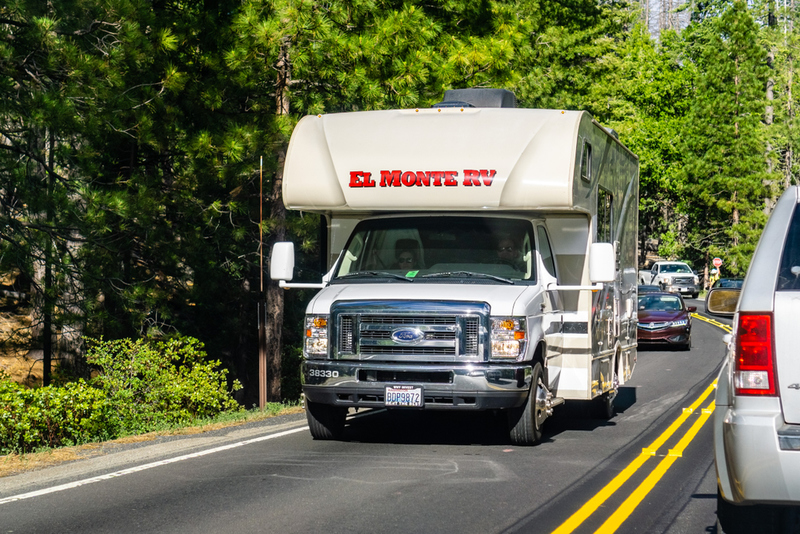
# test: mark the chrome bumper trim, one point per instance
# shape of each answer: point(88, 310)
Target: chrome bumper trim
point(466, 387)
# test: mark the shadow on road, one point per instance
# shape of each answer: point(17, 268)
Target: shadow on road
point(414, 427)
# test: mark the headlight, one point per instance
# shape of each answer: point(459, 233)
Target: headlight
point(682, 322)
point(668, 280)
point(509, 337)
point(316, 345)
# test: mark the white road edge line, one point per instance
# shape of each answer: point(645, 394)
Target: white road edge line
point(144, 467)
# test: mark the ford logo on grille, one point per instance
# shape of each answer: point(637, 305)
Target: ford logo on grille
point(408, 335)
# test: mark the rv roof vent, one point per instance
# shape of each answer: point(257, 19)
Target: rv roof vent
point(478, 98)
point(453, 104)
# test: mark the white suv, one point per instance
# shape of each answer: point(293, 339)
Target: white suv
point(757, 416)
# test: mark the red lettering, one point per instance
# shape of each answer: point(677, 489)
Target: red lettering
point(361, 179)
point(437, 178)
point(471, 177)
point(356, 179)
point(423, 178)
point(390, 178)
point(409, 178)
point(488, 176)
point(450, 178)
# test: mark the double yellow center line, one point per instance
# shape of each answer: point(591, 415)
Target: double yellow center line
point(629, 505)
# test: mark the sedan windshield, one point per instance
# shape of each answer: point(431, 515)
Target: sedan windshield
point(440, 249)
point(660, 303)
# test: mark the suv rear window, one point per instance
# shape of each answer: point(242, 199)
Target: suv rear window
point(789, 275)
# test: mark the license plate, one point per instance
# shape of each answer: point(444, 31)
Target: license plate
point(410, 396)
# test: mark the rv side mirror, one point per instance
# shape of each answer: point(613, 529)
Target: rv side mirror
point(281, 264)
point(602, 263)
point(722, 301)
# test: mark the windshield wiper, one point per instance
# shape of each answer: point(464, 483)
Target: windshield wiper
point(469, 273)
point(375, 273)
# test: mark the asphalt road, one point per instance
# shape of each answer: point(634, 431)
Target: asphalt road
point(410, 472)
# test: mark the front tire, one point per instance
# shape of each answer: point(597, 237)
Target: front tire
point(325, 421)
point(525, 423)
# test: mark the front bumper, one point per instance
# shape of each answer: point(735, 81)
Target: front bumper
point(445, 387)
point(683, 289)
point(760, 466)
point(675, 335)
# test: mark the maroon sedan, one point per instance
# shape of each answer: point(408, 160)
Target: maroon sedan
point(664, 318)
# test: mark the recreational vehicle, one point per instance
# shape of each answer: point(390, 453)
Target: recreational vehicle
point(481, 257)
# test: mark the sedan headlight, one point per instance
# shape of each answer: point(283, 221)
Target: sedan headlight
point(509, 337)
point(681, 322)
point(316, 345)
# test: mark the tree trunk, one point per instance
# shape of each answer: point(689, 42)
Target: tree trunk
point(275, 295)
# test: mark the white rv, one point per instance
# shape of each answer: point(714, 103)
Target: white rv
point(481, 258)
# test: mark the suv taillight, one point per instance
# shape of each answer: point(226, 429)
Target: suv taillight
point(755, 365)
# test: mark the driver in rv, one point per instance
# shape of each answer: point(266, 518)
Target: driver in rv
point(406, 254)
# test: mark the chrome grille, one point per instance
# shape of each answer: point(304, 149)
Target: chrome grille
point(471, 332)
point(397, 320)
point(410, 330)
point(346, 335)
point(409, 350)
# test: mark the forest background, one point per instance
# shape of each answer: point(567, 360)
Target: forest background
point(131, 132)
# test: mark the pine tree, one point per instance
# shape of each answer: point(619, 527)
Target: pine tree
point(724, 136)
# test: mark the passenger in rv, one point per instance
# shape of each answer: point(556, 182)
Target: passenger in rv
point(509, 254)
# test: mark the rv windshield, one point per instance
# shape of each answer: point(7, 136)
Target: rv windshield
point(439, 248)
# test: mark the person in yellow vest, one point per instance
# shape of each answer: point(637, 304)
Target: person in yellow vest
point(713, 278)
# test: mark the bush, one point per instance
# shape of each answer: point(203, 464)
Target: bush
point(156, 383)
point(52, 416)
point(142, 385)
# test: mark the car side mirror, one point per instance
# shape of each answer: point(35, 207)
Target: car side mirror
point(691, 309)
point(281, 264)
point(723, 301)
point(602, 263)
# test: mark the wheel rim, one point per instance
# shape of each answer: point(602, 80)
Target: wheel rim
point(540, 406)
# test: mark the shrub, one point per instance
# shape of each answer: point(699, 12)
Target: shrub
point(155, 383)
point(142, 385)
point(52, 416)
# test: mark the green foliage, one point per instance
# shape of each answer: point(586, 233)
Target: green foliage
point(726, 155)
point(159, 382)
point(53, 416)
point(143, 385)
point(131, 131)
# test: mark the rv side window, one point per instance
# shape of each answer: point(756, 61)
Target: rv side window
point(605, 216)
point(586, 162)
point(545, 251)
